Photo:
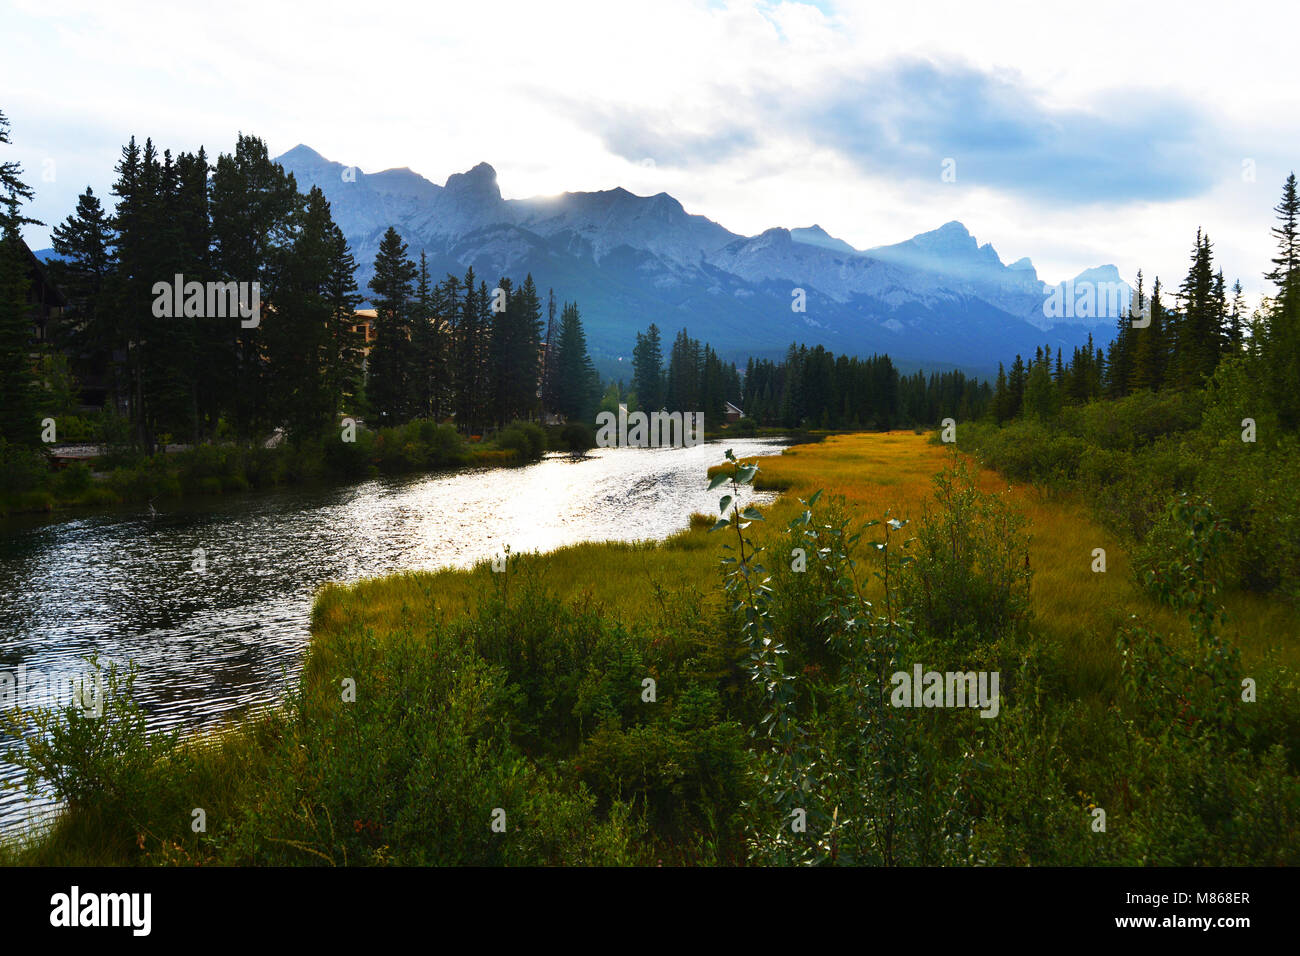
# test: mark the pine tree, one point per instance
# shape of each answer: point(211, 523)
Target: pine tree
point(160, 350)
point(84, 243)
point(178, 244)
point(1119, 366)
point(254, 205)
point(389, 387)
point(300, 342)
point(18, 421)
point(525, 353)
point(128, 288)
point(577, 385)
point(1001, 398)
point(550, 396)
point(1280, 348)
point(684, 374)
point(1149, 348)
point(1041, 394)
point(480, 367)
point(466, 349)
point(1280, 356)
point(1287, 233)
point(425, 343)
point(450, 304)
point(1016, 388)
point(347, 363)
point(1194, 331)
point(713, 386)
point(1234, 329)
point(501, 350)
point(648, 369)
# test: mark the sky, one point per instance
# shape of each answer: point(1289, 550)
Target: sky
point(1074, 137)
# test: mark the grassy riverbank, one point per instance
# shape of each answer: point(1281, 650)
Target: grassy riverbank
point(29, 485)
point(507, 719)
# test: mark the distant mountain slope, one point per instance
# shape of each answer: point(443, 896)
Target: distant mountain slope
point(939, 298)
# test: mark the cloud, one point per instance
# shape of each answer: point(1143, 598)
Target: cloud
point(905, 118)
point(755, 112)
point(659, 135)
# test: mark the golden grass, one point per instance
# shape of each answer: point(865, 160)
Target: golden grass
point(1075, 608)
point(1073, 605)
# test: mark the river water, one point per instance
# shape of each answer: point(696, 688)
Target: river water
point(123, 586)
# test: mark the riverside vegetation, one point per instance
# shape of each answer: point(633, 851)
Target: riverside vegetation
point(603, 704)
point(525, 692)
point(27, 484)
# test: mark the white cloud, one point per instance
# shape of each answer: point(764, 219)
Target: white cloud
point(439, 87)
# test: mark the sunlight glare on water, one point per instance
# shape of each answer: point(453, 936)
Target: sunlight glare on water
point(120, 585)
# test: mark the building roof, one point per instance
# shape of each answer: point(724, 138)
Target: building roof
point(48, 292)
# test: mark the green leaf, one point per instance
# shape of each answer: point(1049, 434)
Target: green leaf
point(723, 504)
point(813, 500)
point(721, 478)
point(752, 514)
point(722, 523)
point(746, 474)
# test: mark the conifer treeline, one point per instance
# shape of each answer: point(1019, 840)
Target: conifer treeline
point(18, 412)
point(1178, 345)
point(696, 380)
point(460, 348)
point(817, 388)
point(811, 388)
point(454, 348)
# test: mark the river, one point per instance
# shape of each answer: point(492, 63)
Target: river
point(123, 585)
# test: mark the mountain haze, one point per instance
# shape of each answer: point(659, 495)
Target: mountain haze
point(939, 298)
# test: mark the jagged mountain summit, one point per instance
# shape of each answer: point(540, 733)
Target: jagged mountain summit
point(939, 298)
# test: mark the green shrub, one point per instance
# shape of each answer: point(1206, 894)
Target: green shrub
point(72, 481)
point(97, 754)
point(968, 580)
point(525, 439)
point(577, 438)
point(22, 468)
point(349, 460)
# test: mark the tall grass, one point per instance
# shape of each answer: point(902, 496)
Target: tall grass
point(525, 691)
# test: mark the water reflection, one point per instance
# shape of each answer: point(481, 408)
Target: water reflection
point(123, 585)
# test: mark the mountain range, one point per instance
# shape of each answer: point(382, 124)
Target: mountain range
point(939, 299)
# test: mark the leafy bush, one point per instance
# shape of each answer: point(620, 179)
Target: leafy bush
point(526, 439)
point(21, 468)
point(763, 730)
point(349, 460)
point(72, 481)
point(1186, 772)
point(96, 753)
point(577, 437)
point(1130, 456)
point(969, 580)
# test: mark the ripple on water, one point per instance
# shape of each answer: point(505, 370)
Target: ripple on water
point(211, 645)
